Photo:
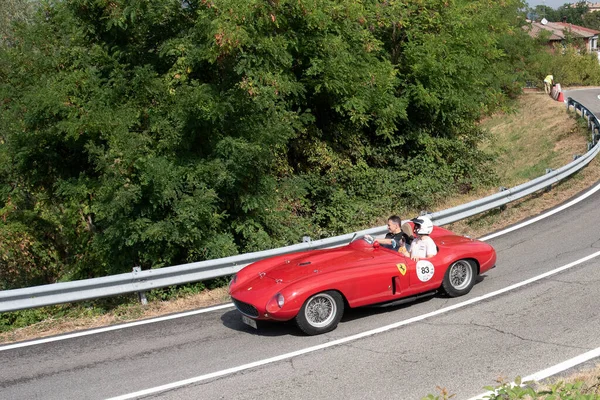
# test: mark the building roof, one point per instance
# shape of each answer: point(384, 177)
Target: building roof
point(557, 30)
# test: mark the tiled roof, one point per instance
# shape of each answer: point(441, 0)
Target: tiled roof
point(557, 30)
point(584, 32)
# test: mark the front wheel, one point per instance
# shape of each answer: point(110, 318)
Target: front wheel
point(459, 278)
point(321, 313)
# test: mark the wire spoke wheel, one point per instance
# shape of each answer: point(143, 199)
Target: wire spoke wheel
point(461, 275)
point(321, 312)
point(459, 278)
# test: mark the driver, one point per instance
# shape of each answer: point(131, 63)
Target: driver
point(398, 237)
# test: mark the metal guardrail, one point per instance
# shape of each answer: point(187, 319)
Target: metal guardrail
point(141, 281)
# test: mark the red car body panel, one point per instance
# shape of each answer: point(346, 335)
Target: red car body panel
point(364, 274)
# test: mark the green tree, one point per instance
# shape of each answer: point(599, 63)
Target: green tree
point(14, 12)
point(157, 133)
point(591, 20)
point(572, 13)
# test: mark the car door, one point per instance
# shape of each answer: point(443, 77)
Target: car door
point(425, 274)
point(381, 281)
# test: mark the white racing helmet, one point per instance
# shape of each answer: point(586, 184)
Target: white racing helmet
point(423, 225)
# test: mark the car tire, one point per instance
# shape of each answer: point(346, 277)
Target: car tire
point(459, 278)
point(321, 313)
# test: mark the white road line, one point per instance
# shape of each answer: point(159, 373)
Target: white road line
point(222, 306)
point(113, 328)
point(361, 335)
point(563, 366)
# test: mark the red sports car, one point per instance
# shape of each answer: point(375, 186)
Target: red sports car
point(314, 287)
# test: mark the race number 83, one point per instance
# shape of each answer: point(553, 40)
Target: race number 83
point(425, 270)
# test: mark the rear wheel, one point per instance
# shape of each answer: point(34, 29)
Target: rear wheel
point(321, 313)
point(459, 278)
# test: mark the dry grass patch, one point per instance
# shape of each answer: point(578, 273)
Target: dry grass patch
point(552, 138)
point(538, 135)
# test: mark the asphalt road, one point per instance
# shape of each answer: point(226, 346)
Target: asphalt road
point(518, 332)
point(587, 97)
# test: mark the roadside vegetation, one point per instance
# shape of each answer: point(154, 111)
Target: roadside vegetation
point(153, 134)
point(149, 134)
point(515, 132)
point(583, 385)
point(513, 129)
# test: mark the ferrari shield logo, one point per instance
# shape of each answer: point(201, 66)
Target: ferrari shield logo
point(401, 268)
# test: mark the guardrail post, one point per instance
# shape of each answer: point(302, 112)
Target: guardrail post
point(590, 145)
point(549, 187)
point(141, 294)
point(305, 239)
point(502, 189)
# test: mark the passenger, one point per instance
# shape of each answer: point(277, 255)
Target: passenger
point(398, 238)
point(423, 246)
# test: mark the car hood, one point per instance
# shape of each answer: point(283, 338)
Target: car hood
point(292, 268)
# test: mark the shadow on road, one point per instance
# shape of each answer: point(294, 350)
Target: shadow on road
point(233, 319)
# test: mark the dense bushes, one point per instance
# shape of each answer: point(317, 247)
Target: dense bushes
point(152, 134)
point(572, 67)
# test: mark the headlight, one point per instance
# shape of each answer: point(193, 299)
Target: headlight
point(275, 303)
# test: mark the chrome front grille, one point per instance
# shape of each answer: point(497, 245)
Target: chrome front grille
point(245, 308)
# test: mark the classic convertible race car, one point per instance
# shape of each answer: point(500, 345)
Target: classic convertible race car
point(314, 287)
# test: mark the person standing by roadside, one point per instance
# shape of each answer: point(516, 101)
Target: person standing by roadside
point(548, 83)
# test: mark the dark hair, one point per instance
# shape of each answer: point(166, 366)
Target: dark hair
point(395, 219)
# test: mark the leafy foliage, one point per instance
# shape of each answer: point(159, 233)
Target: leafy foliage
point(591, 20)
point(569, 65)
point(14, 12)
point(139, 133)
